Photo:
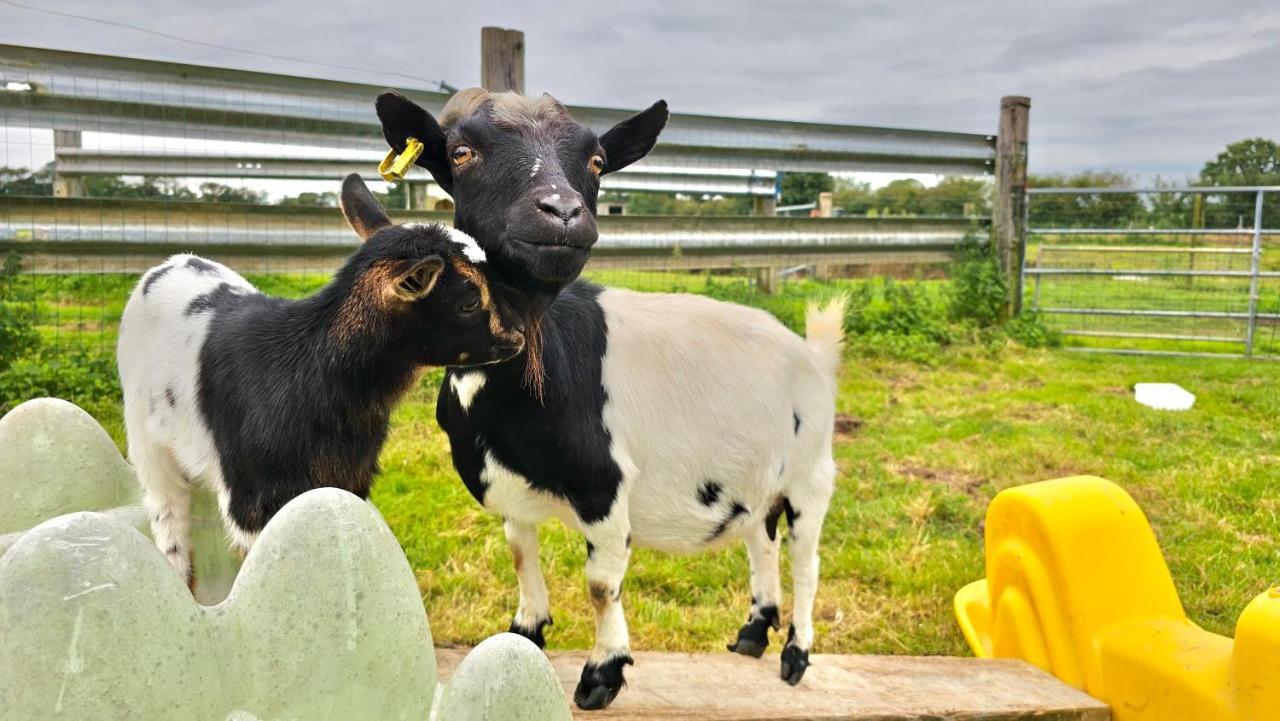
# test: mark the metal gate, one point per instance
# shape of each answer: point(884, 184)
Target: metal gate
point(1166, 271)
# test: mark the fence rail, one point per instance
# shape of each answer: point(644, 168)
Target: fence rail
point(83, 92)
point(1169, 290)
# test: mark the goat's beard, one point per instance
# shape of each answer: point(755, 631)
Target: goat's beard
point(534, 378)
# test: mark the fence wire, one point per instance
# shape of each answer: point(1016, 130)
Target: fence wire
point(1159, 270)
point(109, 165)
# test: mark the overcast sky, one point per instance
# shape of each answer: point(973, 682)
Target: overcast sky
point(1149, 87)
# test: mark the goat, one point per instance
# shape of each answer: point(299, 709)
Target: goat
point(675, 422)
point(263, 398)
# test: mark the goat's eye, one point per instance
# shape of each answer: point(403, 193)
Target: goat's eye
point(596, 163)
point(462, 155)
point(469, 306)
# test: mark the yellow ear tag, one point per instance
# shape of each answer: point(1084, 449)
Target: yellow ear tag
point(393, 167)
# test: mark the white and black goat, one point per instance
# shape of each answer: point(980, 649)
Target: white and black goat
point(669, 421)
point(263, 398)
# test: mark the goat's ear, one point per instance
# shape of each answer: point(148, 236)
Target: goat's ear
point(402, 119)
point(362, 210)
point(418, 280)
point(633, 138)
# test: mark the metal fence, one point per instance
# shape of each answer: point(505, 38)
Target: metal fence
point(99, 118)
point(1169, 271)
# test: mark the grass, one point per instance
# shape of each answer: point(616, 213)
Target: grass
point(934, 442)
point(933, 447)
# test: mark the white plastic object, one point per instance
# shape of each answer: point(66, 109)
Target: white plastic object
point(1164, 396)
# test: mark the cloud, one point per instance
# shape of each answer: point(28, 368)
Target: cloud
point(1155, 86)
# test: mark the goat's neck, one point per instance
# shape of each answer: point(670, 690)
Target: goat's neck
point(371, 368)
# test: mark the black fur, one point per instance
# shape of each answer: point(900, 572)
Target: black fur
point(170, 397)
point(753, 637)
point(550, 432)
point(201, 266)
point(156, 274)
point(559, 444)
point(796, 418)
point(533, 634)
point(600, 683)
point(500, 203)
point(780, 506)
point(736, 509)
point(298, 397)
point(709, 493)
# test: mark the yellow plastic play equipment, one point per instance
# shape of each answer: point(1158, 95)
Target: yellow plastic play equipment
point(1076, 585)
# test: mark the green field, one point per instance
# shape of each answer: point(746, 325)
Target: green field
point(929, 442)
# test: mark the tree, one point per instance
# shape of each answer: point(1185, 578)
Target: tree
point(1255, 161)
point(319, 200)
point(1099, 210)
point(800, 188)
point(958, 196)
point(219, 193)
point(904, 196)
point(854, 198)
point(20, 181)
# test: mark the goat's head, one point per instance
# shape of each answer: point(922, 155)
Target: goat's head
point(523, 174)
point(422, 287)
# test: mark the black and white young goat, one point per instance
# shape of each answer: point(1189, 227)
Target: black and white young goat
point(263, 398)
point(675, 422)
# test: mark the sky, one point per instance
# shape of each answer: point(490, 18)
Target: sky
point(1145, 87)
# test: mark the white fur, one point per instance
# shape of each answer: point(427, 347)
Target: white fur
point(470, 247)
point(158, 352)
point(702, 390)
point(466, 385)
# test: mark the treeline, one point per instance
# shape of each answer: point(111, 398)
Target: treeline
point(1249, 162)
point(21, 181)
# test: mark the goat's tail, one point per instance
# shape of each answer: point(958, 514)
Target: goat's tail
point(824, 332)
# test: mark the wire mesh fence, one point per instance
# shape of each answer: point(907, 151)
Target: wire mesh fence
point(111, 164)
point(1165, 270)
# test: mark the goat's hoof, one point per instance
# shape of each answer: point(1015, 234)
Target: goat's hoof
point(533, 634)
point(794, 663)
point(753, 637)
point(600, 683)
point(748, 647)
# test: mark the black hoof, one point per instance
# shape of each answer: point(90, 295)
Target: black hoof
point(600, 683)
point(533, 634)
point(753, 637)
point(794, 660)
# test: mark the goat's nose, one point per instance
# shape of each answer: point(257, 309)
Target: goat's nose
point(565, 206)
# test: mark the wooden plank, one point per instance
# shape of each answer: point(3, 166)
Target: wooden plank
point(729, 687)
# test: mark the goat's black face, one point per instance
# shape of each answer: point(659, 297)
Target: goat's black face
point(422, 287)
point(523, 174)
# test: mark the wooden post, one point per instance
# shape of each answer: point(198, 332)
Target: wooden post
point(502, 60)
point(765, 205)
point(1009, 213)
point(826, 202)
point(65, 186)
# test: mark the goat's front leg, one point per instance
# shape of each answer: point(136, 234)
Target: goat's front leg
point(535, 608)
point(608, 550)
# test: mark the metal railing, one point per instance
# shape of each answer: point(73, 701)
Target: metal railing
point(95, 93)
point(1210, 301)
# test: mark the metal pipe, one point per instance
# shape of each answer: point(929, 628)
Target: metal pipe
point(1154, 273)
point(1203, 189)
point(1167, 353)
point(1148, 231)
point(1159, 313)
point(1151, 336)
point(1255, 267)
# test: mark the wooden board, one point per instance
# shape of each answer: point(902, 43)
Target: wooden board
point(728, 687)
